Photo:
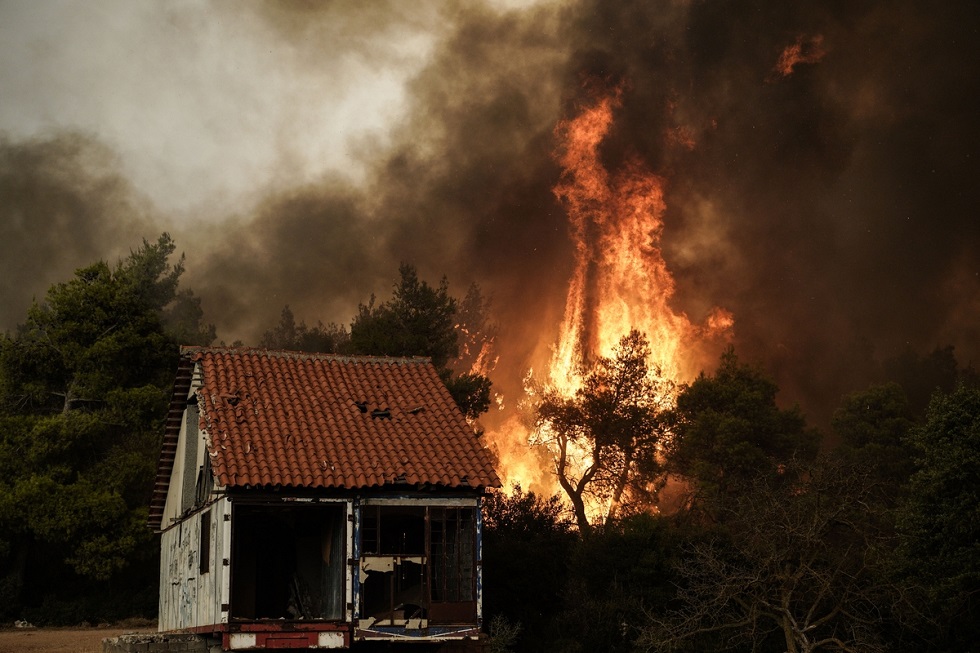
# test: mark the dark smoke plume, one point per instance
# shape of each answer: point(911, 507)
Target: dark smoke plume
point(63, 205)
point(831, 207)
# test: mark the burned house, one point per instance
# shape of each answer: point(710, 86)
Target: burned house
point(313, 501)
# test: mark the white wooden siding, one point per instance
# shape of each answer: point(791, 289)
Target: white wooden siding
point(188, 598)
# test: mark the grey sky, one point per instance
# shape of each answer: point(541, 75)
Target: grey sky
point(203, 103)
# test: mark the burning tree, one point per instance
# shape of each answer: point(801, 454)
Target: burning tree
point(620, 281)
point(605, 439)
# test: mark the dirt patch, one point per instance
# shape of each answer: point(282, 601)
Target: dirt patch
point(60, 640)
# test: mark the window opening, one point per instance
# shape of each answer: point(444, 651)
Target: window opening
point(452, 559)
point(205, 483)
point(393, 592)
point(393, 530)
point(392, 577)
point(191, 437)
point(418, 563)
point(204, 550)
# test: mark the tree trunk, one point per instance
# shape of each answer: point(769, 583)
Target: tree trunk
point(617, 496)
point(578, 505)
point(574, 493)
point(789, 635)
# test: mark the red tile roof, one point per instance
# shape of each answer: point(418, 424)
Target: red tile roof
point(323, 421)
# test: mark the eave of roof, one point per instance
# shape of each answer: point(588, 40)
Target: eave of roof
point(171, 433)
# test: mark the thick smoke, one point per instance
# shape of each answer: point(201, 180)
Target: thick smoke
point(829, 204)
point(63, 204)
point(463, 188)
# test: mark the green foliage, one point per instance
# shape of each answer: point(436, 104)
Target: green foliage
point(872, 426)
point(527, 541)
point(632, 556)
point(524, 515)
point(418, 320)
point(471, 392)
point(623, 570)
point(877, 417)
point(183, 320)
point(503, 634)
point(331, 339)
point(940, 521)
point(942, 516)
point(102, 329)
point(730, 429)
point(85, 383)
point(422, 320)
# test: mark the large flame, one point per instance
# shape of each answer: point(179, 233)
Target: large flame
point(620, 280)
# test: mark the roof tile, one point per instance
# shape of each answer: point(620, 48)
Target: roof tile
point(317, 420)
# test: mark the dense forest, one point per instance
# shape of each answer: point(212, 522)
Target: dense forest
point(778, 538)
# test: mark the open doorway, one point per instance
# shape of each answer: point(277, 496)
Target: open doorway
point(288, 562)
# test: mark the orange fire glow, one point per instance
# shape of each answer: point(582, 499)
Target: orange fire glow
point(620, 280)
point(805, 50)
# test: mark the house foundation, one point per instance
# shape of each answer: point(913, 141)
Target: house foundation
point(160, 643)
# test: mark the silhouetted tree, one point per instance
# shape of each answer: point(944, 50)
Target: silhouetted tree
point(421, 320)
point(418, 320)
point(477, 333)
point(330, 339)
point(618, 420)
point(922, 376)
point(526, 547)
point(622, 571)
point(796, 571)
point(872, 425)
point(183, 320)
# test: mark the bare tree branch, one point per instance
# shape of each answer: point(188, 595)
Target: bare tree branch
point(796, 561)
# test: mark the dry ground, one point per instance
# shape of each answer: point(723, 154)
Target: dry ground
point(60, 640)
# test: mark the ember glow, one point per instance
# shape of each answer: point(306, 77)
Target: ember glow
point(805, 50)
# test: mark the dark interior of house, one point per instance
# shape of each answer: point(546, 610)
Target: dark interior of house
point(288, 562)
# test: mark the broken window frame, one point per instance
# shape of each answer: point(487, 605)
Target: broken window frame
point(442, 606)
